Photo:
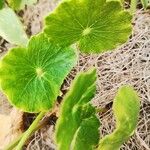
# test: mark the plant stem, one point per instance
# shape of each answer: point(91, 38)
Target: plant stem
point(48, 120)
point(30, 130)
point(43, 123)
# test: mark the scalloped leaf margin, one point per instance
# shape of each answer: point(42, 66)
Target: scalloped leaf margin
point(96, 26)
point(31, 77)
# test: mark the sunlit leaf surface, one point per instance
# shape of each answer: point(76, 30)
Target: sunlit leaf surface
point(31, 77)
point(96, 25)
point(126, 109)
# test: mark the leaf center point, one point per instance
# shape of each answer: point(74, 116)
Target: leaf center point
point(39, 72)
point(86, 31)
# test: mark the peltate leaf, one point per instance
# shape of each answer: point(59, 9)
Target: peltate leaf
point(1, 4)
point(11, 28)
point(31, 77)
point(126, 108)
point(20, 4)
point(77, 126)
point(96, 25)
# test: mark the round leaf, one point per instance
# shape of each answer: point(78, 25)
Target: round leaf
point(31, 77)
point(96, 25)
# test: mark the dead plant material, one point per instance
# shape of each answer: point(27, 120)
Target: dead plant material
point(11, 126)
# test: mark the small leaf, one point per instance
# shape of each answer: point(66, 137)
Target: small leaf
point(77, 126)
point(20, 4)
point(31, 77)
point(1, 4)
point(126, 109)
point(96, 25)
point(145, 3)
point(11, 28)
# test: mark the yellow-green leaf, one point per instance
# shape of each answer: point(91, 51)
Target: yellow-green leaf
point(96, 25)
point(126, 108)
point(31, 77)
point(20, 4)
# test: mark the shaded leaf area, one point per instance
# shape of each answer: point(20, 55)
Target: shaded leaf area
point(126, 109)
point(20, 4)
point(11, 28)
point(78, 127)
point(31, 77)
point(1, 4)
point(96, 25)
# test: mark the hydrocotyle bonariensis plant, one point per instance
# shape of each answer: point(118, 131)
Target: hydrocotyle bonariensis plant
point(31, 75)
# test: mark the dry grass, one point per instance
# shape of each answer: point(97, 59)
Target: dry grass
point(129, 64)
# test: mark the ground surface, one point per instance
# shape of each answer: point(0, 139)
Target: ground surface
point(129, 64)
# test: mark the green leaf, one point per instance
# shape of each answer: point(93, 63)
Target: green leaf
point(15, 4)
point(96, 25)
point(20, 4)
point(145, 3)
point(126, 109)
point(11, 28)
point(1, 4)
point(31, 77)
point(77, 126)
point(87, 135)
